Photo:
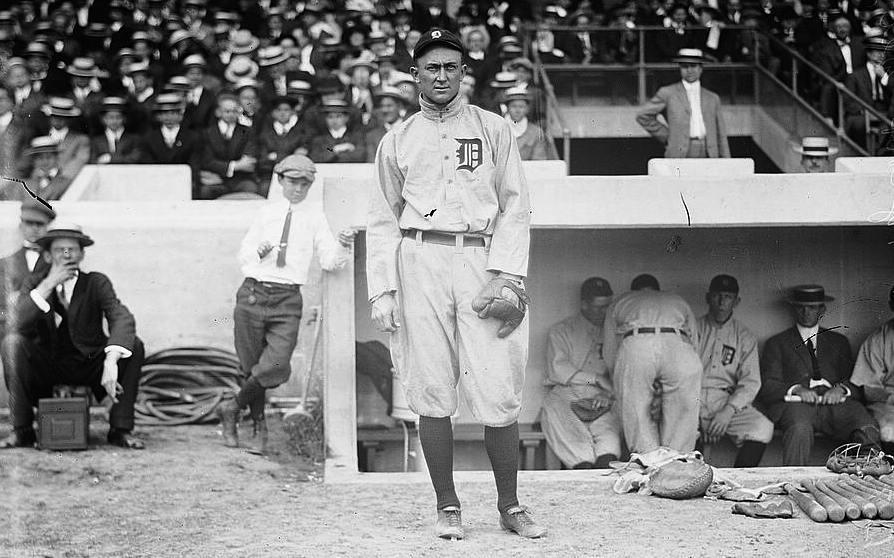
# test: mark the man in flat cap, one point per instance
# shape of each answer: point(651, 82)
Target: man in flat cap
point(448, 237)
point(805, 377)
point(34, 217)
point(874, 374)
point(731, 377)
point(57, 337)
point(275, 256)
point(579, 418)
point(650, 340)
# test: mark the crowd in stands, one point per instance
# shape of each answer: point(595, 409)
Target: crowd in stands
point(234, 86)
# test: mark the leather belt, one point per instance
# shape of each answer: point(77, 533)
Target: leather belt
point(271, 286)
point(447, 239)
point(641, 330)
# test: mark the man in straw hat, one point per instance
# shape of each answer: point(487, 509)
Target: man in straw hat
point(816, 154)
point(230, 154)
point(452, 207)
point(390, 106)
point(199, 99)
point(874, 374)
point(275, 257)
point(693, 125)
point(169, 142)
point(34, 218)
point(870, 83)
point(533, 142)
point(279, 137)
point(47, 179)
point(57, 336)
point(73, 147)
point(116, 144)
point(805, 381)
point(338, 144)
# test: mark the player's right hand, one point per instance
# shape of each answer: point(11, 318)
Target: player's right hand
point(807, 395)
point(384, 313)
point(264, 248)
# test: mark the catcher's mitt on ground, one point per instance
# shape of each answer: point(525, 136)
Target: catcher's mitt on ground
point(680, 479)
point(504, 300)
point(857, 460)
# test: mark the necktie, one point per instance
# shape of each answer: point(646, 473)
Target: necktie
point(813, 362)
point(63, 299)
point(284, 240)
point(877, 91)
point(113, 141)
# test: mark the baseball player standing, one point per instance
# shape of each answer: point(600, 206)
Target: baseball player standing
point(447, 241)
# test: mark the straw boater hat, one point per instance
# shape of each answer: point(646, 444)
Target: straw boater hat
point(114, 103)
point(61, 106)
point(64, 230)
point(272, 56)
point(36, 48)
point(168, 101)
point(299, 87)
point(194, 61)
point(140, 67)
point(689, 56)
point(516, 94)
point(388, 91)
point(814, 146)
point(241, 67)
point(246, 83)
point(336, 105)
point(875, 42)
point(227, 17)
point(361, 63)
point(243, 42)
point(179, 84)
point(82, 67)
point(41, 144)
point(808, 295)
point(504, 80)
point(178, 37)
point(522, 61)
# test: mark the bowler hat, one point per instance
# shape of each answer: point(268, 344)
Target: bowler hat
point(64, 230)
point(807, 295)
point(724, 284)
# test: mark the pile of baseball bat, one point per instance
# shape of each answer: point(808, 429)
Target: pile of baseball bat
point(845, 497)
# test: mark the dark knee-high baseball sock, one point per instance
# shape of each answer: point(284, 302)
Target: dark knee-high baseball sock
point(251, 391)
point(750, 454)
point(502, 449)
point(436, 436)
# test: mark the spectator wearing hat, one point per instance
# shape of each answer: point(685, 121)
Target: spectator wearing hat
point(650, 340)
point(576, 375)
point(874, 375)
point(805, 382)
point(86, 92)
point(622, 46)
point(837, 54)
point(731, 376)
point(141, 97)
point(508, 49)
point(716, 43)
point(230, 154)
point(47, 179)
point(870, 83)
point(477, 41)
point(275, 257)
point(57, 336)
point(359, 92)
point(169, 142)
point(11, 134)
point(272, 61)
point(73, 148)
point(581, 47)
point(26, 98)
point(34, 217)
point(329, 88)
point(391, 106)
point(679, 34)
point(693, 125)
point(533, 142)
point(816, 154)
point(242, 45)
point(115, 145)
point(338, 144)
point(492, 98)
point(252, 112)
point(37, 57)
point(280, 136)
point(200, 101)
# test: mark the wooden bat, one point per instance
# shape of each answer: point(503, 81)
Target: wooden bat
point(867, 508)
point(851, 508)
point(882, 501)
point(807, 504)
point(836, 512)
point(880, 487)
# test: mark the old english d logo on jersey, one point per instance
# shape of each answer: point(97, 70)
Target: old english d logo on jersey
point(468, 154)
point(727, 355)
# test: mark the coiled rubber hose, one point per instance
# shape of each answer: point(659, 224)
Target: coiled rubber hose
point(183, 385)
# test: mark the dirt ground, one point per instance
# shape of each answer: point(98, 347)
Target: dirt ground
point(187, 495)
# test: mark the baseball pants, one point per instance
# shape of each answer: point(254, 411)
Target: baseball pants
point(441, 339)
point(571, 439)
point(747, 425)
point(672, 361)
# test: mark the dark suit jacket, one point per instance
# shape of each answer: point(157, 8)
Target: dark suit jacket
point(860, 83)
point(219, 151)
point(785, 362)
point(197, 116)
point(828, 57)
point(13, 272)
point(92, 300)
point(672, 102)
point(321, 148)
point(184, 151)
point(126, 152)
point(273, 148)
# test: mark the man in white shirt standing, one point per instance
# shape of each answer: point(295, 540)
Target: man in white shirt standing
point(275, 256)
point(693, 126)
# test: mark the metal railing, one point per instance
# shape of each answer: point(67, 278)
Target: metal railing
point(756, 64)
point(552, 112)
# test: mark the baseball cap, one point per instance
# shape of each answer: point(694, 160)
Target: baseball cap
point(644, 281)
point(595, 287)
point(724, 284)
point(296, 166)
point(437, 37)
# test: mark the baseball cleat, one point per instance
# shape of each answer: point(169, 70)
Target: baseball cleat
point(228, 413)
point(518, 520)
point(450, 523)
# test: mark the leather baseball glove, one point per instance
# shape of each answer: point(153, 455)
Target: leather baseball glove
point(682, 479)
point(504, 300)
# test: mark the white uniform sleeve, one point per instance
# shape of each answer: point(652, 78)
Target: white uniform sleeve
point(382, 228)
point(512, 230)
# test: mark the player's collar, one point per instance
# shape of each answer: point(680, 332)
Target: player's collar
point(434, 112)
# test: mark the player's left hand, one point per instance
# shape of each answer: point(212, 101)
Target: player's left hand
point(384, 313)
point(109, 380)
point(346, 237)
point(834, 396)
point(719, 423)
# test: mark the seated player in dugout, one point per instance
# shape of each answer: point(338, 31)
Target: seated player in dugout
point(874, 375)
point(579, 418)
point(731, 377)
point(56, 337)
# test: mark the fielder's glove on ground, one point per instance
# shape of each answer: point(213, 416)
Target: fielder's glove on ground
point(504, 300)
